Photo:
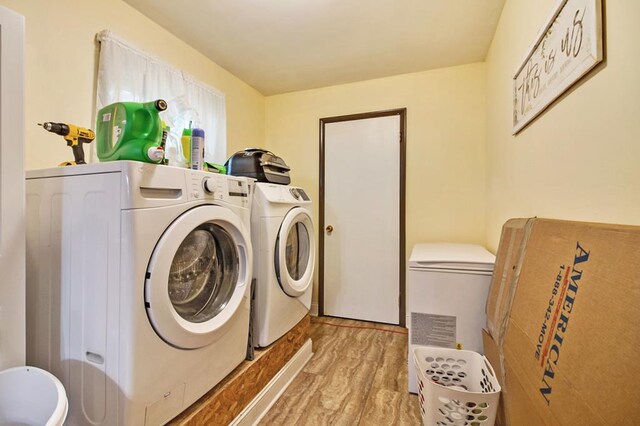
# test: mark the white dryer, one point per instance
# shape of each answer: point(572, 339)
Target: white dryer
point(138, 286)
point(284, 259)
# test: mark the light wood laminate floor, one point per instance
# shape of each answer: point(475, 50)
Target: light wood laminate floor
point(357, 376)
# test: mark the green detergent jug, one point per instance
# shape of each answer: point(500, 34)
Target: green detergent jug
point(130, 131)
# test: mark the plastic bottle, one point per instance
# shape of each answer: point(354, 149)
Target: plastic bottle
point(197, 149)
point(165, 133)
point(130, 131)
point(186, 146)
point(174, 151)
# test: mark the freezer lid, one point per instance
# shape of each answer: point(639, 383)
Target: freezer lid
point(451, 256)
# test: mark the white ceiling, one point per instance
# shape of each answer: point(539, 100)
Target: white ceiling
point(282, 46)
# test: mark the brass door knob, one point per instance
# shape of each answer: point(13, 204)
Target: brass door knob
point(329, 229)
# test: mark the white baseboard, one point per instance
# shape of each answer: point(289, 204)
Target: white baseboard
point(268, 396)
point(314, 310)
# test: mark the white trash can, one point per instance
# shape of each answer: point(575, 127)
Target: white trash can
point(31, 396)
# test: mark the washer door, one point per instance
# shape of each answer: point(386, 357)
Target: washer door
point(197, 276)
point(295, 253)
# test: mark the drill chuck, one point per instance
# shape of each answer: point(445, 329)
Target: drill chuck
point(57, 128)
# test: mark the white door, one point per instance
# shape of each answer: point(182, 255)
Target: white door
point(12, 222)
point(197, 276)
point(362, 226)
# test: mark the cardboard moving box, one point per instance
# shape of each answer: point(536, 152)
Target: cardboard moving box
point(563, 319)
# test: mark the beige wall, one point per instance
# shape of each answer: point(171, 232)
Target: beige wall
point(445, 143)
point(579, 159)
point(446, 110)
point(61, 65)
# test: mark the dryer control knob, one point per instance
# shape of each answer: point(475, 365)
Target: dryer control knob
point(209, 185)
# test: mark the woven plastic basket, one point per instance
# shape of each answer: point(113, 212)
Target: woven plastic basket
point(455, 387)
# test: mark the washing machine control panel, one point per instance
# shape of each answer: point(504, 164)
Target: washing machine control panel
point(283, 194)
point(216, 187)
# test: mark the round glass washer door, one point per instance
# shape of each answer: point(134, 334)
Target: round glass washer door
point(295, 253)
point(197, 276)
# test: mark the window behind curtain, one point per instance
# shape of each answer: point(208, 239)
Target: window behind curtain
point(126, 74)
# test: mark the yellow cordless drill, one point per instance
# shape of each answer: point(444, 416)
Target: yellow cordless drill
point(75, 137)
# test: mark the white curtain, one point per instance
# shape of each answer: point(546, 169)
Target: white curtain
point(126, 74)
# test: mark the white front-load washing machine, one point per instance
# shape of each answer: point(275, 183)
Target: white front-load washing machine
point(284, 259)
point(138, 286)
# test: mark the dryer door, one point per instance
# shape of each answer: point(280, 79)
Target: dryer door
point(197, 276)
point(295, 253)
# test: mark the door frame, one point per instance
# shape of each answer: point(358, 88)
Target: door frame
point(402, 113)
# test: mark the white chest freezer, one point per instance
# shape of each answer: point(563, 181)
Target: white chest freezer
point(447, 290)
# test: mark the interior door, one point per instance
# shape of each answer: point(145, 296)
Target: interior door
point(362, 217)
point(12, 223)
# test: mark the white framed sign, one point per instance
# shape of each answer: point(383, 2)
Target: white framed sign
point(565, 49)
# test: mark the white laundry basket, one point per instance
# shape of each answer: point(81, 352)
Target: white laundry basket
point(455, 387)
point(30, 396)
